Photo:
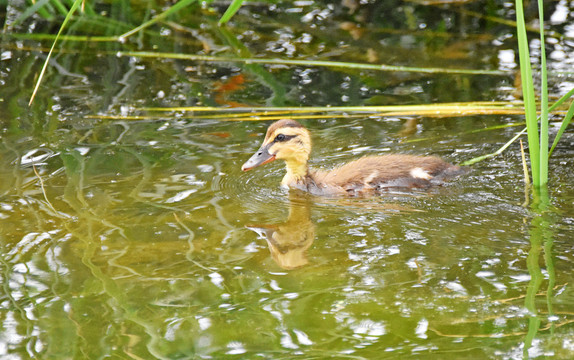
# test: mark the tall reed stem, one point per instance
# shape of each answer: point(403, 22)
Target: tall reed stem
point(528, 94)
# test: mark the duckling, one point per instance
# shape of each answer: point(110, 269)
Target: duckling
point(290, 141)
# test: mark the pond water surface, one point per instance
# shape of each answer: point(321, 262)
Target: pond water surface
point(133, 234)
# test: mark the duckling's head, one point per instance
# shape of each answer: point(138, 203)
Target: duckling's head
point(285, 140)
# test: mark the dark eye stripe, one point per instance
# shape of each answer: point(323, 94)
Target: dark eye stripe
point(283, 137)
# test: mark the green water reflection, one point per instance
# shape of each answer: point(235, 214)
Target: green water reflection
point(141, 237)
point(157, 260)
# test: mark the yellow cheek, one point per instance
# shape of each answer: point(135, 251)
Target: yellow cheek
point(281, 153)
point(286, 152)
point(274, 149)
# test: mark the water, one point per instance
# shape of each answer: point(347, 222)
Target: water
point(142, 238)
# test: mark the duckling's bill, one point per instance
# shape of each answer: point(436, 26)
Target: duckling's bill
point(262, 156)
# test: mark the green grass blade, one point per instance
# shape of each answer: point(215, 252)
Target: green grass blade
point(64, 23)
point(560, 101)
point(29, 12)
point(60, 7)
point(231, 10)
point(175, 8)
point(298, 62)
point(497, 152)
point(528, 94)
point(563, 127)
point(565, 122)
point(434, 109)
point(543, 101)
point(265, 76)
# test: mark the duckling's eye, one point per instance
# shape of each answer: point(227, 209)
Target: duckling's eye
point(280, 137)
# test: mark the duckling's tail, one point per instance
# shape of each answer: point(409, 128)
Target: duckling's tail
point(451, 172)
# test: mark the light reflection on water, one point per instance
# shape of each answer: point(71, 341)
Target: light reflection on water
point(171, 252)
point(143, 238)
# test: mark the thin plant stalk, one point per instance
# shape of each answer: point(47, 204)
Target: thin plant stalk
point(172, 10)
point(528, 94)
point(543, 101)
point(231, 10)
point(301, 62)
point(563, 127)
point(68, 17)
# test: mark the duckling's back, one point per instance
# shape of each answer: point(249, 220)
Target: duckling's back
point(379, 173)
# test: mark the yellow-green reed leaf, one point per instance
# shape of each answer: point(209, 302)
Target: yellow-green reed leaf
point(80, 38)
point(497, 152)
point(524, 168)
point(331, 64)
point(175, 8)
point(231, 10)
point(550, 109)
point(505, 22)
point(66, 19)
point(29, 12)
point(475, 131)
point(436, 109)
point(561, 100)
point(61, 8)
point(528, 94)
point(563, 127)
point(567, 117)
point(265, 76)
point(543, 101)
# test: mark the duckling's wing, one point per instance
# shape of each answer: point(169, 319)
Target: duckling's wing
point(379, 172)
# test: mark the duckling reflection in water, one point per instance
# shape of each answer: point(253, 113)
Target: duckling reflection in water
point(290, 141)
point(289, 241)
